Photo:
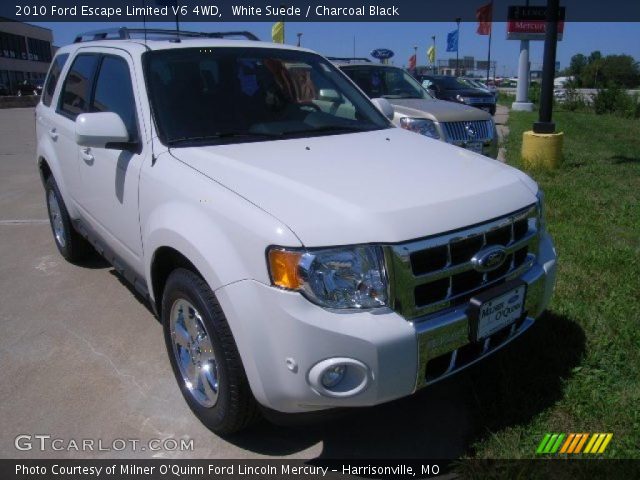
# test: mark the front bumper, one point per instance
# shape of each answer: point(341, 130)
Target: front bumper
point(281, 336)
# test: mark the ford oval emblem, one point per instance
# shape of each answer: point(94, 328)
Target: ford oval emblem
point(382, 53)
point(489, 258)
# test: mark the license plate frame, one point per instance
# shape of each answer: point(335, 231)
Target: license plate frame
point(483, 325)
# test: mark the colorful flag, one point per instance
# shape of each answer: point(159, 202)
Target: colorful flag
point(277, 32)
point(452, 41)
point(484, 15)
point(412, 62)
point(431, 54)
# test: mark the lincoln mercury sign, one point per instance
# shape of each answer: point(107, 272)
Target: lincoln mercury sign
point(529, 23)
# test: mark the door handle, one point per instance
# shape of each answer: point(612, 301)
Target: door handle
point(85, 153)
point(53, 134)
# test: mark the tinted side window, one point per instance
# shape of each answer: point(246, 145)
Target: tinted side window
point(114, 93)
point(52, 78)
point(77, 86)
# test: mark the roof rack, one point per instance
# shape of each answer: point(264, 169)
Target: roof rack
point(349, 59)
point(124, 33)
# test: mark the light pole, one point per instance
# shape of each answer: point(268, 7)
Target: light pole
point(544, 123)
point(458, 48)
point(415, 55)
point(542, 146)
point(433, 38)
point(299, 37)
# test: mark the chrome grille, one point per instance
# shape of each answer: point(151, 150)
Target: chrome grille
point(436, 273)
point(460, 131)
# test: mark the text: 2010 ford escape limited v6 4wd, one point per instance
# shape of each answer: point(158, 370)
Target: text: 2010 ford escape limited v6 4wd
point(302, 253)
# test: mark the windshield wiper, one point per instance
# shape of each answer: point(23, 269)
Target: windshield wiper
point(331, 128)
point(221, 135)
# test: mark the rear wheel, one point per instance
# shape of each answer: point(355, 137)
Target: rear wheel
point(204, 356)
point(71, 245)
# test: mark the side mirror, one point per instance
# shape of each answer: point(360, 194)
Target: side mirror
point(329, 95)
point(101, 130)
point(384, 106)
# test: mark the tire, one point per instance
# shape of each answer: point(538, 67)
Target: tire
point(71, 245)
point(204, 356)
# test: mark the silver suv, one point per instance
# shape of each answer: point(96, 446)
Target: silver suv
point(417, 110)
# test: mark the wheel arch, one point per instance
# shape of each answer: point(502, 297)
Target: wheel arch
point(44, 169)
point(164, 261)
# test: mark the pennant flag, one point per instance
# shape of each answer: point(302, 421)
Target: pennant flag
point(452, 41)
point(484, 15)
point(412, 62)
point(431, 54)
point(277, 32)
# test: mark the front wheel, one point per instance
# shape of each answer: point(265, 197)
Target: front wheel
point(204, 356)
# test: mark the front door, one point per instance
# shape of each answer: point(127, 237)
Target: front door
point(108, 193)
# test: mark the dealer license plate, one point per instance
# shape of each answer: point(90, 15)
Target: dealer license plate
point(493, 314)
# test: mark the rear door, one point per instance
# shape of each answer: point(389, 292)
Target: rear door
point(73, 100)
point(46, 129)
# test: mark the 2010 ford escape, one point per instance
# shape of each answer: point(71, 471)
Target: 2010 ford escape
point(301, 252)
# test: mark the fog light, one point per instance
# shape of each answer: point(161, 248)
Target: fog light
point(333, 376)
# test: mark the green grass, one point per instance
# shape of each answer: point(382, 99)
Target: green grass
point(578, 369)
point(506, 99)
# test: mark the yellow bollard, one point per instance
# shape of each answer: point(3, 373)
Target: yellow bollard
point(541, 150)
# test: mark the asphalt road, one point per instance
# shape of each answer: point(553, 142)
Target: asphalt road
point(81, 357)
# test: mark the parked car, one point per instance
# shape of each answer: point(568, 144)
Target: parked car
point(456, 89)
point(475, 83)
point(28, 88)
point(417, 110)
point(301, 252)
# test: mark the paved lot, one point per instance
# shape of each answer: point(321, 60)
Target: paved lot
point(82, 358)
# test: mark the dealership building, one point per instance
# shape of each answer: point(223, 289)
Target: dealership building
point(25, 53)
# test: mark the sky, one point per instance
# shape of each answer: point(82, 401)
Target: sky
point(337, 39)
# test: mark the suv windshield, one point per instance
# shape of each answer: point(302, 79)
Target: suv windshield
point(386, 82)
point(225, 95)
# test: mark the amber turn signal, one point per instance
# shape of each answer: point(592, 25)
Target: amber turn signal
point(283, 266)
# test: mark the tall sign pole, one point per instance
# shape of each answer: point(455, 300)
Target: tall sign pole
point(522, 102)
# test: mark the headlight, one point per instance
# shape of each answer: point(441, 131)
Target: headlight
point(462, 99)
point(348, 277)
point(422, 126)
point(541, 220)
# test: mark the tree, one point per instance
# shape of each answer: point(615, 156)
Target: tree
point(594, 56)
point(612, 70)
point(577, 64)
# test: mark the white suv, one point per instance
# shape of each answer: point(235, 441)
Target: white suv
point(302, 253)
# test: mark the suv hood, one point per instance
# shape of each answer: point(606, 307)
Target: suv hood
point(382, 186)
point(438, 110)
